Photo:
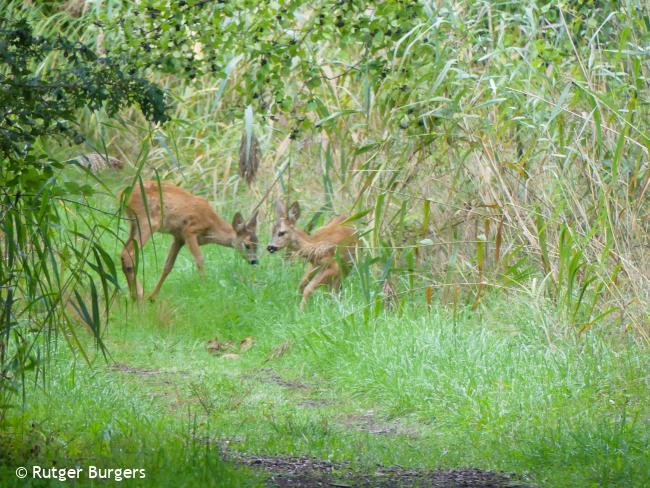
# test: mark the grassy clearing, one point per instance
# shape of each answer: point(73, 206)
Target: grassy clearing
point(500, 151)
point(503, 389)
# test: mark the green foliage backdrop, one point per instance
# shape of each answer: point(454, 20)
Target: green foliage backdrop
point(486, 148)
point(494, 156)
point(43, 265)
point(510, 137)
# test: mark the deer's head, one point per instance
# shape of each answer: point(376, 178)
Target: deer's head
point(284, 230)
point(246, 238)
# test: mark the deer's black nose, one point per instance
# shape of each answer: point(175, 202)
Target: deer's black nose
point(271, 249)
point(253, 261)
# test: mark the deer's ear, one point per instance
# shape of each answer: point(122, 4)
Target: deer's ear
point(238, 223)
point(252, 222)
point(294, 212)
point(280, 211)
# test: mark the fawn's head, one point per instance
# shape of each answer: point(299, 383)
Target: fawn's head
point(284, 229)
point(245, 237)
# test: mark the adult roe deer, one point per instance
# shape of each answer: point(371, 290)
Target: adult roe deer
point(187, 217)
point(319, 249)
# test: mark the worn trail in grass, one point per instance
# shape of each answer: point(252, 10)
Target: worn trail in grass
point(504, 389)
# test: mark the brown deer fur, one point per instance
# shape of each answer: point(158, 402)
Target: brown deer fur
point(318, 249)
point(190, 219)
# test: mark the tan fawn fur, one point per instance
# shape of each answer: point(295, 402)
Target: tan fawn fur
point(190, 219)
point(319, 249)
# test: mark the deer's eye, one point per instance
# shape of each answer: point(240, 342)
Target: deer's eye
point(281, 233)
point(247, 246)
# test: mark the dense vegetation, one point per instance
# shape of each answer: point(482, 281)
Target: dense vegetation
point(42, 263)
point(495, 159)
point(512, 137)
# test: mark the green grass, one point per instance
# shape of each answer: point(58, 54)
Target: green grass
point(522, 159)
point(505, 388)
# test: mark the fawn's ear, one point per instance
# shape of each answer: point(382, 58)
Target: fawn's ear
point(238, 223)
point(252, 222)
point(294, 212)
point(280, 211)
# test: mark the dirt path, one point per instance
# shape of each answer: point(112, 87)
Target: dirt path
point(290, 472)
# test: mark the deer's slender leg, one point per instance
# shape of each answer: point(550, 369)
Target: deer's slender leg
point(336, 283)
point(176, 246)
point(137, 237)
point(306, 277)
point(128, 262)
point(193, 244)
point(321, 278)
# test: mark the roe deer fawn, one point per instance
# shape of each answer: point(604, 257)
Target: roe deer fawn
point(319, 248)
point(190, 219)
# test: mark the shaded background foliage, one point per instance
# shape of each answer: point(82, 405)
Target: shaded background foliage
point(42, 268)
point(495, 155)
point(486, 148)
point(510, 138)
